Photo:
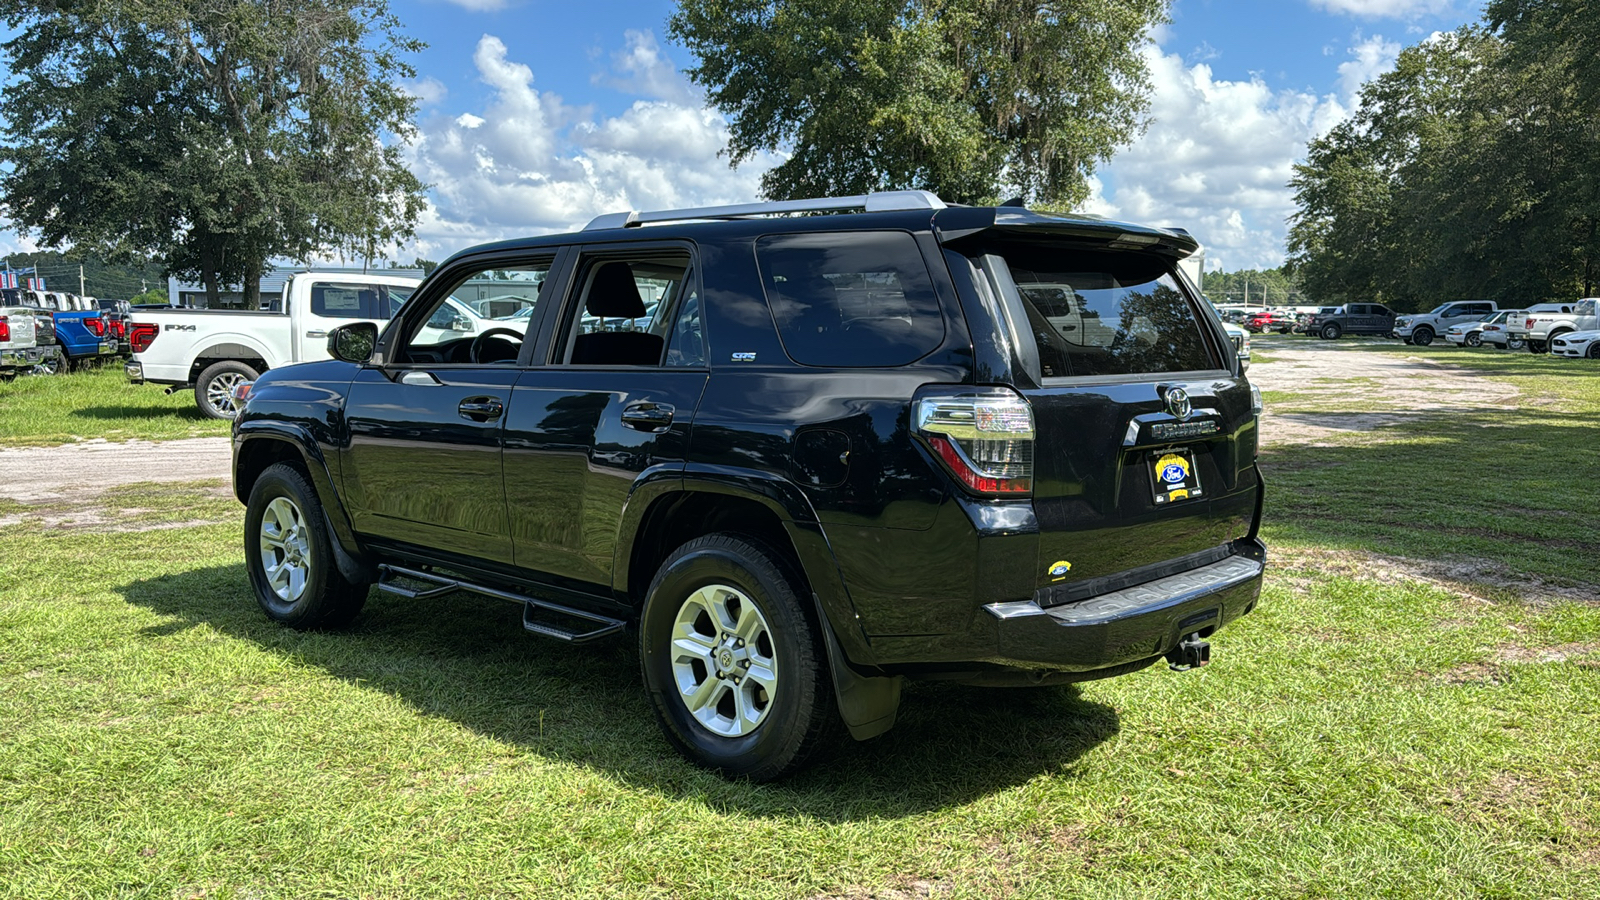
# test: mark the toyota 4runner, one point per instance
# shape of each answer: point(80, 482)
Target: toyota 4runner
point(802, 450)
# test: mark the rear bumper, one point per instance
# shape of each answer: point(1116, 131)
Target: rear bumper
point(1024, 642)
point(1132, 624)
point(134, 370)
point(20, 358)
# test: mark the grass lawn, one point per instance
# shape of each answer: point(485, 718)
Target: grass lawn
point(97, 403)
point(1363, 733)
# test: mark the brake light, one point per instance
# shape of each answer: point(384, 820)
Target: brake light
point(96, 325)
point(119, 328)
point(1528, 324)
point(141, 335)
point(984, 436)
point(5, 329)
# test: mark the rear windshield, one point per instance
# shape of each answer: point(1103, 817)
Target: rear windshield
point(1106, 313)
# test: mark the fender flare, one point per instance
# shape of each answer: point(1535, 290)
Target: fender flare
point(868, 700)
point(348, 553)
point(233, 346)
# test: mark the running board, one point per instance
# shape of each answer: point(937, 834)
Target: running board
point(602, 626)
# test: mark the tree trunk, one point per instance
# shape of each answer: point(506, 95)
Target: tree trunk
point(208, 273)
point(252, 285)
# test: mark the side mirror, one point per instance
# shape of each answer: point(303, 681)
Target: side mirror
point(354, 342)
point(460, 323)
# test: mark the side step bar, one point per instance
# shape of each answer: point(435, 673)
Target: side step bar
point(601, 626)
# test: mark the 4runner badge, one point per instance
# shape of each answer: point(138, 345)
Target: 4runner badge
point(744, 357)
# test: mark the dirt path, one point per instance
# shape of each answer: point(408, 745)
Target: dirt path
point(1382, 389)
point(80, 470)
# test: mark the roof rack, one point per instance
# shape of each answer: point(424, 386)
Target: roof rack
point(877, 201)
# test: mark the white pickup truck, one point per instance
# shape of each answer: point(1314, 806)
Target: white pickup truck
point(212, 350)
point(1547, 322)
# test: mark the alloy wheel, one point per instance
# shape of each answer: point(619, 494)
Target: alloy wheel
point(723, 661)
point(219, 391)
point(285, 549)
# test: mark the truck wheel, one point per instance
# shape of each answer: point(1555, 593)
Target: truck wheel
point(1536, 346)
point(50, 365)
point(1514, 343)
point(289, 553)
point(1474, 339)
point(1423, 336)
point(1331, 331)
point(213, 390)
point(733, 663)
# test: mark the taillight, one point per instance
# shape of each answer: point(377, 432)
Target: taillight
point(119, 328)
point(5, 329)
point(984, 436)
point(96, 325)
point(1528, 324)
point(141, 335)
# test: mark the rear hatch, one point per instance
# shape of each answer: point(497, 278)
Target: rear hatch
point(21, 329)
point(1144, 460)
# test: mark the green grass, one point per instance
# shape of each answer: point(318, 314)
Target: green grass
point(1361, 734)
point(97, 403)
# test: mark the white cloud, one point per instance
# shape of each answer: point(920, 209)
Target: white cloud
point(1368, 59)
point(479, 5)
point(1219, 154)
point(1388, 9)
point(526, 163)
point(428, 91)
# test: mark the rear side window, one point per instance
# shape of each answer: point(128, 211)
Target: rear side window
point(850, 299)
point(1106, 313)
point(352, 301)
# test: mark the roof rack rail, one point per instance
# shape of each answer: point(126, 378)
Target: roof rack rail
point(877, 201)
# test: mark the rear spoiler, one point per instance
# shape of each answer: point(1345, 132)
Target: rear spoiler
point(961, 223)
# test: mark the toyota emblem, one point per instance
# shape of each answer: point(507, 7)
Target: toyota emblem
point(1178, 403)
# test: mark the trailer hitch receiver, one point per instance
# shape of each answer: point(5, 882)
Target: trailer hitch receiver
point(1191, 653)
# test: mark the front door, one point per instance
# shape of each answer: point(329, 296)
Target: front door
point(612, 409)
point(426, 427)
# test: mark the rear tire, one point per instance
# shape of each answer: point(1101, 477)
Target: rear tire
point(289, 554)
point(212, 389)
point(1422, 336)
point(1331, 331)
point(733, 660)
point(1515, 343)
point(1536, 346)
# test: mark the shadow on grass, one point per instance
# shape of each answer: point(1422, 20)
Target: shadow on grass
point(467, 659)
point(182, 413)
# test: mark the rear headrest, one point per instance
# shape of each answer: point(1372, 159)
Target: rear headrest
point(614, 294)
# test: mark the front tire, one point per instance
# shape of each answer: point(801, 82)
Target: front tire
point(1594, 350)
point(1422, 336)
point(213, 390)
point(732, 660)
point(289, 554)
point(1474, 339)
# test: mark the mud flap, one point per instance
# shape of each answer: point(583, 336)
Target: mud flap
point(867, 704)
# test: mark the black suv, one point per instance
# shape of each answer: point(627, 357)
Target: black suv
point(805, 449)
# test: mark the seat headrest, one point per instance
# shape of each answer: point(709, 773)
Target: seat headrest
point(614, 294)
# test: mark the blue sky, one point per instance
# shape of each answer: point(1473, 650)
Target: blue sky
point(538, 115)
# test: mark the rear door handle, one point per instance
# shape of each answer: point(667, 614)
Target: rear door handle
point(481, 409)
point(646, 416)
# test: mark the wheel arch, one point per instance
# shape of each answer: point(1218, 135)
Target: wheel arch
point(258, 445)
point(251, 355)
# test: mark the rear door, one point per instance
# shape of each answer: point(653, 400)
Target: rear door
point(1146, 440)
point(611, 406)
point(329, 304)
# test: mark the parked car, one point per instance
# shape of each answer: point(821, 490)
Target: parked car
point(1518, 327)
point(212, 350)
point(1544, 326)
point(1497, 332)
point(117, 314)
point(21, 354)
point(1351, 318)
point(1470, 334)
point(1422, 328)
point(845, 449)
point(80, 332)
point(1264, 321)
point(1576, 344)
point(1241, 344)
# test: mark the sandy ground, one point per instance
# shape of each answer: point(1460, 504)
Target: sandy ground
point(1393, 387)
point(58, 475)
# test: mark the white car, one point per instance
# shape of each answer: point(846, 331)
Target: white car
point(1470, 334)
point(1576, 344)
point(1241, 343)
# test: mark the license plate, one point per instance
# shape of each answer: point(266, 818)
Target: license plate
point(1173, 476)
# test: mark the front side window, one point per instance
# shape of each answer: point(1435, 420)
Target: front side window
point(1106, 313)
point(850, 299)
point(453, 330)
point(1586, 307)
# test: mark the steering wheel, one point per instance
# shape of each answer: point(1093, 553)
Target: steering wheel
point(476, 349)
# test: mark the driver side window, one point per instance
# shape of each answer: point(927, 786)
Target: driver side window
point(482, 319)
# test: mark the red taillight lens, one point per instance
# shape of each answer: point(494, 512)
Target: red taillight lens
point(119, 328)
point(1528, 324)
point(984, 436)
point(5, 329)
point(142, 334)
point(96, 325)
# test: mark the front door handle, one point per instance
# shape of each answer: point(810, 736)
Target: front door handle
point(317, 333)
point(481, 409)
point(646, 416)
